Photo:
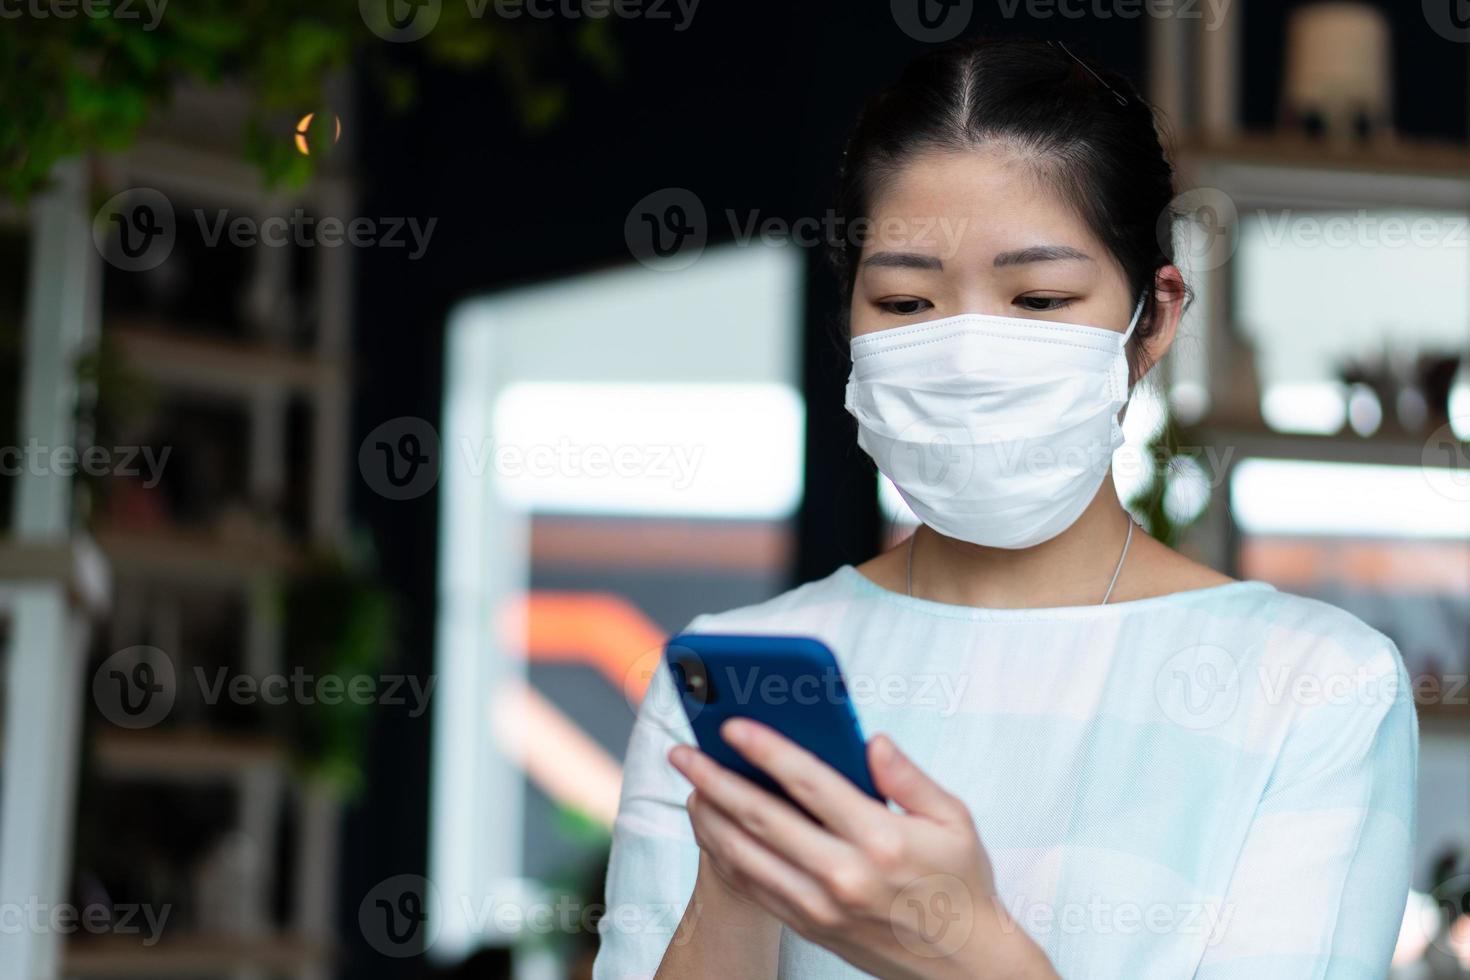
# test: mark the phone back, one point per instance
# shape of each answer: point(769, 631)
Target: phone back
point(790, 683)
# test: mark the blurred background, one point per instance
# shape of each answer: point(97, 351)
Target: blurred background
point(381, 383)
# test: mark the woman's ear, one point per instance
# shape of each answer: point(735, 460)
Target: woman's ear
point(1170, 296)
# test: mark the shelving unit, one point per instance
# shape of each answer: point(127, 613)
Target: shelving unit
point(1195, 78)
point(240, 556)
point(1271, 173)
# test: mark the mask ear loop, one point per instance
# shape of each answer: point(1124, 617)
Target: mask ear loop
point(1137, 313)
point(1122, 345)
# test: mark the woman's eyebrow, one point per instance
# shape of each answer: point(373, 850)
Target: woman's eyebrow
point(1040, 253)
point(903, 260)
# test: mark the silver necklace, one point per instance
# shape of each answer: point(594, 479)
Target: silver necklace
point(1106, 595)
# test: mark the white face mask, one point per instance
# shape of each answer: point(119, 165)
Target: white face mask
point(996, 430)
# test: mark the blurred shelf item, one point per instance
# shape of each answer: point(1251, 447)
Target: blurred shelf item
point(196, 556)
point(126, 956)
point(172, 357)
point(189, 755)
point(1387, 449)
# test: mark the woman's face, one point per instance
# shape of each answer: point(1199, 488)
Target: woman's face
point(976, 232)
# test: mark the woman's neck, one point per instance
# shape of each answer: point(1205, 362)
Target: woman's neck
point(1072, 569)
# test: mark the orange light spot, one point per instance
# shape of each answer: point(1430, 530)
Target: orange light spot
point(304, 127)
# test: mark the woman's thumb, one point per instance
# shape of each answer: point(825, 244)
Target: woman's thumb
point(899, 779)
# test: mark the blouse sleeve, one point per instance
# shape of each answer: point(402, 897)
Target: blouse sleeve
point(1319, 890)
point(654, 859)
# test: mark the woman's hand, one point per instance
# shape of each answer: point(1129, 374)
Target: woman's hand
point(896, 894)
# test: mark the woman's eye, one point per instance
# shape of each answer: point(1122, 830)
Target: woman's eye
point(904, 307)
point(1041, 304)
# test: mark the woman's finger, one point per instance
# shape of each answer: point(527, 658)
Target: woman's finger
point(775, 823)
point(785, 890)
point(901, 780)
point(711, 847)
point(823, 791)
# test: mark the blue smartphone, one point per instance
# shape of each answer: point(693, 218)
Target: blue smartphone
point(789, 683)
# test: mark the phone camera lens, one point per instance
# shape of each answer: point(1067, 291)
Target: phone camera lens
point(691, 673)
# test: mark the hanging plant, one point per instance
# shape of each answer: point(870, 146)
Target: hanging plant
point(73, 83)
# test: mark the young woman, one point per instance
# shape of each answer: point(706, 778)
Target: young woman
point(1106, 760)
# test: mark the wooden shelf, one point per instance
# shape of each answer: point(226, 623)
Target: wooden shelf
point(77, 563)
point(1279, 171)
point(213, 175)
point(1391, 157)
point(195, 557)
point(126, 956)
point(185, 755)
point(1255, 440)
point(173, 358)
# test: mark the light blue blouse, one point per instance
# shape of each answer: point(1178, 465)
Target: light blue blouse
point(1216, 784)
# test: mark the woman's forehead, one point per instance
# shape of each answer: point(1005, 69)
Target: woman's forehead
point(985, 199)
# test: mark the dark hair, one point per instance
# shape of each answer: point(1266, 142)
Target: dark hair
point(1085, 128)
